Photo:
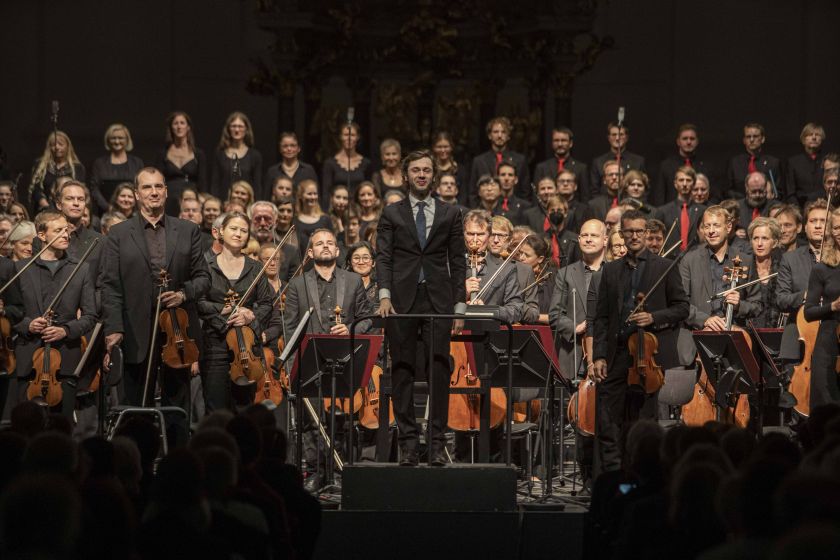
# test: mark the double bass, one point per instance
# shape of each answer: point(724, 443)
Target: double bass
point(702, 408)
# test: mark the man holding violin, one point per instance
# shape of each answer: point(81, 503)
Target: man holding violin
point(63, 325)
point(618, 318)
point(135, 252)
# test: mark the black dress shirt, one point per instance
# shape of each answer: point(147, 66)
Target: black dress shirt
point(156, 243)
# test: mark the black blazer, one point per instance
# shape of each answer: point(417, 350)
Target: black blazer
point(303, 293)
point(737, 171)
point(548, 168)
point(485, 164)
point(79, 295)
point(128, 293)
point(399, 257)
point(671, 211)
point(11, 298)
point(668, 304)
point(663, 191)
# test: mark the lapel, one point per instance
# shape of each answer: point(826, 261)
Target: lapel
point(171, 240)
point(405, 210)
point(311, 286)
point(439, 211)
point(136, 226)
point(577, 281)
point(705, 274)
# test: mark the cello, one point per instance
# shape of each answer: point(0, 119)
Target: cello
point(800, 381)
point(179, 351)
point(702, 408)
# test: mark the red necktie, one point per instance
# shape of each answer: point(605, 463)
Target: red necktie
point(505, 204)
point(614, 203)
point(813, 156)
point(751, 165)
point(688, 162)
point(555, 247)
point(756, 213)
point(684, 226)
point(561, 165)
point(498, 160)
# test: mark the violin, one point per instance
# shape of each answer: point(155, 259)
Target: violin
point(8, 363)
point(645, 374)
point(268, 387)
point(344, 403)
point(246, 365)
point(179, 351)
point(581, 409)
point(45, 389)
point(702, 407)
point(464, 409)
point(369, 414)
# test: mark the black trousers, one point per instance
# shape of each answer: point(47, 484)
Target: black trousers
point(616, 409)
point(174, 391)
point(403, 336)
point(219, 391)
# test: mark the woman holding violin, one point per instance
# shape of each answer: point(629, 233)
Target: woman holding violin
point(618, 318)
point(232, 273)
point(822, 303)
point(49, 344)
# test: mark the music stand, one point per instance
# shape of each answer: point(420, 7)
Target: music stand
point(766, 344)
point(729, 363)
point(329, 355)
point(293, 345)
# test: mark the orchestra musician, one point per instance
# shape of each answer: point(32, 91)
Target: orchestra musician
point(135, 252)
point(230, 270)
point(74, 313)
point(11, 308)
point(420, 269)
point(794, 271)
point(702, 272)
point(822, 303)
point(501, 240)
point(666, 307)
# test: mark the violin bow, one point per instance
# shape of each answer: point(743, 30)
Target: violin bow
point(484, 288)
point(279, 297)
point(670, 231)
point(8, 237)
point(262, 271)
point(660, 279)
point(63, 287)
point(32, 260)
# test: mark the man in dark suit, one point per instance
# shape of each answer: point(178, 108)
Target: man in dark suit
point(794, 270)
point(135, 253)
point(498, 131)
point(687, 142)
point(420, 269)
point(804, 170)
point(602, 203)
point(562, 140)
point(682, 210)
point(666, 306)
point(702, 272)
point(617, 137)
point(509, 205)
point(754, 159)
point(72, 316)
point(755, 204)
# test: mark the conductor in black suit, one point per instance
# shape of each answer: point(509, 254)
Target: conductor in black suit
point(421, 269)
point(621, 281)
point(136, 251)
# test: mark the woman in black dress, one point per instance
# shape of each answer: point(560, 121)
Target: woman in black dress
point(58, 160)
point(117, 167)
point(390, 175)
point(347, 166)
point(443, 147)
point(764, 235)
point(308, 214)
point(182, 163)
point(230, 270)
point(822, 303)
point(236, 158)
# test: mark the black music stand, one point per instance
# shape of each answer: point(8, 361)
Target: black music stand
point(729, 363)
point(327, 355)
point(293, 345)
point(766, 344)
point(533, 368)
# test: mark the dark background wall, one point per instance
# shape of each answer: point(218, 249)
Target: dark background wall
point(716, 63)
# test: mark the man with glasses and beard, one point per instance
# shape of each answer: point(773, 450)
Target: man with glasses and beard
point(755, 204)
point(615, 321)
point(264, 227)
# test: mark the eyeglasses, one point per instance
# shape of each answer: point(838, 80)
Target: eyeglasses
point(633, 232)
point(361, 259)
point(500, 235)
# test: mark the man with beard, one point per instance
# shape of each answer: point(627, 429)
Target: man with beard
point(264, 216)
point(655, 236)
point(323, 287)
point(562, 141)
point(618, 405)
point(617, 137)
point(755, 203)
point(421, 269)
point(687, 142)
point(790, 223)
point(510, 206)
point(498, 132)
point(682, 210)
point(603, 203)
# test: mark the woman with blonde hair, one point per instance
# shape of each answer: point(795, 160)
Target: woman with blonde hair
point(21, 240)
point(58, 160)
point(390, 175)
point(118, 166)
point(236, 158)
point(241, 192)
point(309, 215)
point(822, 303)
point(369, 202)
point(615, 245)
point(764, 235)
